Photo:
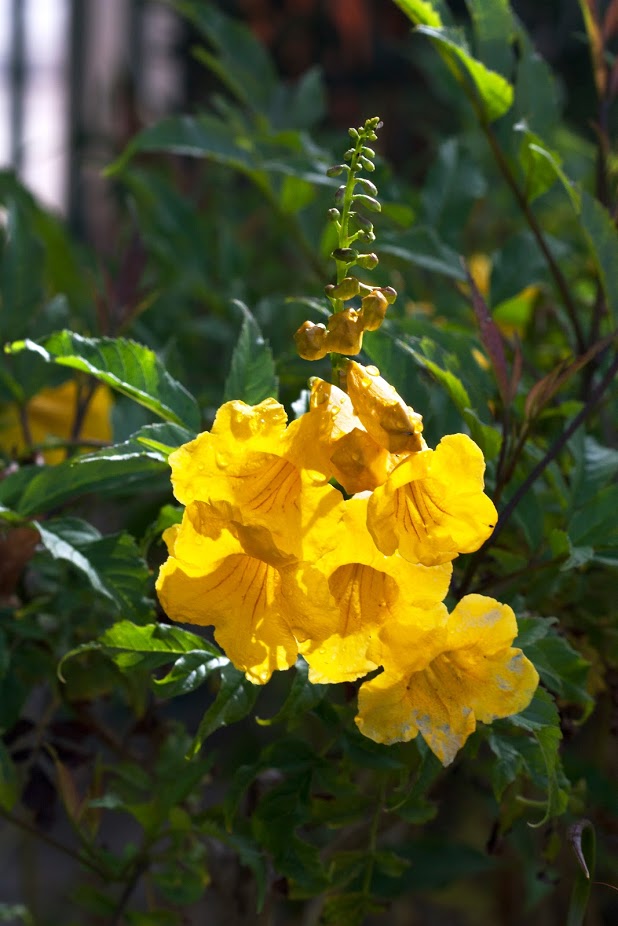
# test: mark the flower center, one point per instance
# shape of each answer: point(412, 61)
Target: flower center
point(421, 508)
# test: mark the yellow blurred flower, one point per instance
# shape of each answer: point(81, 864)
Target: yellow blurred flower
point(432, 506)
point(213, 577)
point(51, 414)
point(384, 414)
point(353, 591)
point(256, 472)
point(441, 680)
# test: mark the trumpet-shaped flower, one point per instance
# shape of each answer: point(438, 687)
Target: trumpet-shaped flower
point(346, 449)
point(355, 591)
point(384, 414)
point(257, 472)
point(440, 681)
point(221, 573)
point(432, 506)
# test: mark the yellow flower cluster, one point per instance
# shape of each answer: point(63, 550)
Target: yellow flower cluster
point(343, 333)
point(282, 563)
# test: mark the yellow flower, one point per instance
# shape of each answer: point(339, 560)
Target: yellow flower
point(441, 681)
point(384, 414)
point(257, 472)
point(345, 449)
point(432, 506)
point(51, 413)
point(219, 573)
point(354, 590)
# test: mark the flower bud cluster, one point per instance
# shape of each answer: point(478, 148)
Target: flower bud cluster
point(343, 333)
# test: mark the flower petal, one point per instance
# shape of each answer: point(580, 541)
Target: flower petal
point(432, 506)
point(463, 672)
point(366, 591)
point(384, 414)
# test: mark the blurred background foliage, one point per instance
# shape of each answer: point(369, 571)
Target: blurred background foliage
point(499, 235)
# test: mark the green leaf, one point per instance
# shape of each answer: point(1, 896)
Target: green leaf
point(489, 90)
point(420, 11)
point(542, 720)
point(454, 182)
point(541, 166)
point(204, 136)
point(189, 672)
point(124, 365)
point(234, 700)
point(302, 698)
point(60, 548)
point(9, 782)
point(602, 236)
point(32, 490)
point(241, 62)
point(421, 247)
point(351, 909)
point(494, 31)
point(21, 284)
point(252, 376)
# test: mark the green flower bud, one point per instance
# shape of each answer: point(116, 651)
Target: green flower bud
point(336, 170)
point(367, 164)
point(368, 185)
point(369, 202)
point(339, 195)
point(368, 152)
point(345, 255)
point(349, 154)
point(367, 261)
point(389, 293)
point(353, 133)
point(333, 214)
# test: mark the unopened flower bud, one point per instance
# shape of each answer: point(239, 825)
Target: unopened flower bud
point(367, 164)
point(368, 202)
point(340, 194)
point(367, 185)
point(345, 332)
point(349, 154)
point(389, 293)
point(353, 133)
point(373, 310)
point(368, 152)
point(368, 261)
point(333, 214)
point(346, 289)
point(336, 170)
point(311, 341)
point(345, 255)
point(362, 221)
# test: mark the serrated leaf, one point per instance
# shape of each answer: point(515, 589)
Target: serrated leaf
point(234, 700)
point(126, 366)
point(489, 89)
point(252, 377)
point(61, 548)
point(32, 490)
